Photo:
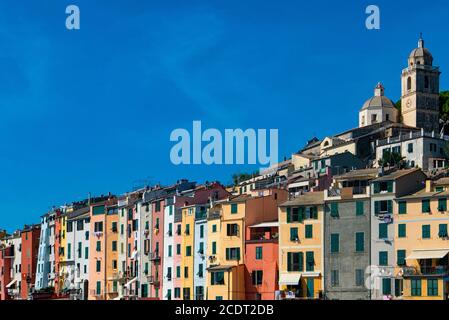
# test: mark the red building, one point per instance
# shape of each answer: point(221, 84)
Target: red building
point(30, 249)
point(5, 270)
point(261, 261)
point(157, 249)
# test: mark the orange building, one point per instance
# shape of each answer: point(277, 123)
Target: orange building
point(30, 247)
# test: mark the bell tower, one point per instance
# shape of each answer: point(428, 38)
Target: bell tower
point(420, 90)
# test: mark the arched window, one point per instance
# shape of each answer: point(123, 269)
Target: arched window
point(409, 83)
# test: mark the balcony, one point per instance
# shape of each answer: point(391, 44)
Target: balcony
point(154, 256)
point(347, 192)
point(437, 271)
point(153, 281)
point(200, 215)
point(214, 215)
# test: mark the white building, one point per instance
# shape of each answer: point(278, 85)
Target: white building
point(377, 109)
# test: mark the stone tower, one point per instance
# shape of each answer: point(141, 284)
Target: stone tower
point(420, 90)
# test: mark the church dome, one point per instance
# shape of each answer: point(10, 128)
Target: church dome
point(420, 55)
point(379, 100)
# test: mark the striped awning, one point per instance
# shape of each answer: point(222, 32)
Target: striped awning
point(289, 279)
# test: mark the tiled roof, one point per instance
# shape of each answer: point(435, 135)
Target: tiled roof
point(309, 198)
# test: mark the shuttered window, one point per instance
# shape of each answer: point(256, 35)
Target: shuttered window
point(402, 207)
point(425, 206)
point(402, 230)
point(310, 261)
point(426, 231)
point(442, 204)
point(360, 242)
point(309, 231)
point(401, 257)
point(359, 208)
point(335, 242)
point(383, 231)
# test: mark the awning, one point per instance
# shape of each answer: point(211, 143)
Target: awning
point(11, 283)
point(299, 184)
point(428, 254)
point(289, 279)
point(130, 282)
point(266, 225)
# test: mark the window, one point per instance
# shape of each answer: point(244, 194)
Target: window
point(359, 208)
point(383, 258)
point(201, 248)
point(98, 210)
point(383, 186)
point(200, 270)
point(214, 247)
point(98, 265)
point(442, 231)
point(398, 287)
point(122, 229)
point(114, 246)
point(409, 83)
point(258, 253)
point(360, 242)
point(232, 253)
point(432, 287)
point(359, 277)
point(158, 206)
point(177, 292)
point(69, 226)
point(402, 207)
point(69, 251)
point(80, 225)
point(442, 204)
point(383, 207)
point(426, 231)
point(98, 291)
point(309, 231)
point(217, 278)
point(232, 230)
point(98, 226)
point(310, 261)
point(335, 281)
point(187, 229)
point(214, 228)
point(335, 242)
point(199, 295)
point(114, 226)
point(334, 209)
point(201, 231)
point(178, 249)
point(186, 272)
point(178, 272)
point(383, 231)
point(114, 264)
point(234, 208)
point(402, 230)
point(188, 251)
point(410, 148)
point(295, 261)
point(98, 246)
point(257, 277)
point(294, 234)
point(416, 287)
point(425, 206)
point(386, 286)
point(401, 257)
point(86, 252)
point(170, 251)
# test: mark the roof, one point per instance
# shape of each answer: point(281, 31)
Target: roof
point(396, 174)
point(220, 268)
point(442, 181)
point(426, 194)
point(78, 213)
point(309, 198)
point(358, 174)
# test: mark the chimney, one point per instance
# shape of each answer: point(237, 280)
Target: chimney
point(428, 185)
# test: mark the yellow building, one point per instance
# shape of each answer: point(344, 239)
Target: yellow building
point(188, 228)
point(422, 243)
point(301, 246)
point(111, 254)
point(65, 251)
point(226, 243)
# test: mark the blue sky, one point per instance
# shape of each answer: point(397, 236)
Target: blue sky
point(92, 110)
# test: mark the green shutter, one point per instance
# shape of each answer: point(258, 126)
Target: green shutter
point(309, 231)
point(383, 231)
point(390, 206)
point(310, 261)
point(289, 261)
point(376, 187)
point(360, 242)
point(302, 214)
point(425, 206)
point(402, 207)
point(301, 261)
point(293, 234)
point(335, 242)
point(377, 207)
point(334, 209)
point(289, 218)
point(402, 230)
point(401, 257)
point(426, 231)
point(359, 208)
point(442, 231)
point(442, 204)
point(386, 286)
point(234, 208)
point(390, 186)
point(383, 258)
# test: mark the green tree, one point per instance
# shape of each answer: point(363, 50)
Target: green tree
point(392, 159)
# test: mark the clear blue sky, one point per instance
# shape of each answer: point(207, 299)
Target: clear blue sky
point(92, 110)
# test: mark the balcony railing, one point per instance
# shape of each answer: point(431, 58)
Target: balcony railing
point(153, 256)
point(153, 280)
point(426, 271)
